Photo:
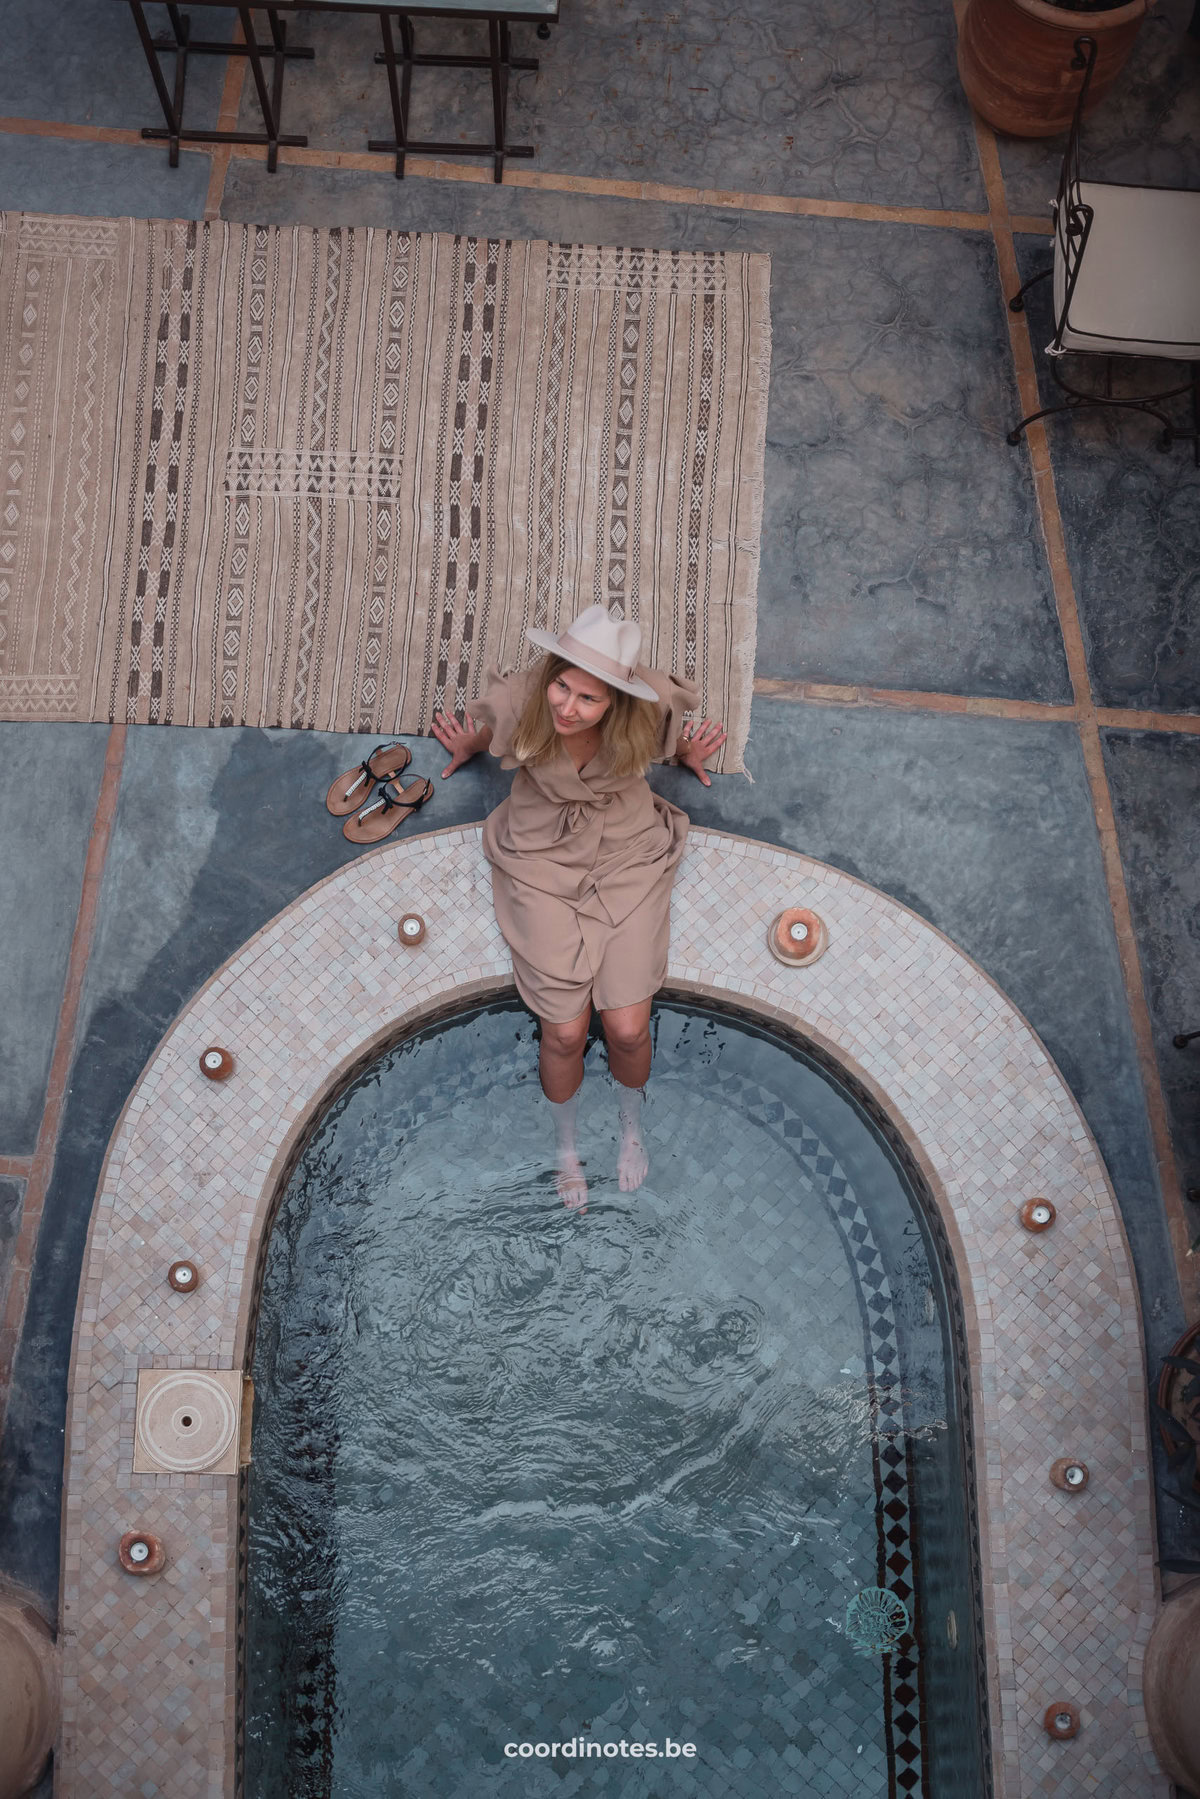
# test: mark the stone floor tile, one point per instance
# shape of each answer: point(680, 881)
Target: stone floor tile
point(759, 98)
point(1155, 781)
point(41, 174)
point(87, 67)
point(47, 798)
point(1132, 526)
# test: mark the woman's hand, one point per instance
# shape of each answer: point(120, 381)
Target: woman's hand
point(697, 742)
point(463, 741)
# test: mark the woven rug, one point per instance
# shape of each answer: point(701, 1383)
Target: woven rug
point(324, 478)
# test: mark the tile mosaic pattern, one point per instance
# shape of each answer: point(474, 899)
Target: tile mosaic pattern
point(1069, 1587)
point(797, 1710)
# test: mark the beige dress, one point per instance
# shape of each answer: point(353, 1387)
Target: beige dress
point(582, 863)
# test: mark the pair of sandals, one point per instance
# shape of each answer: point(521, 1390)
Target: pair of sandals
point(390, 804)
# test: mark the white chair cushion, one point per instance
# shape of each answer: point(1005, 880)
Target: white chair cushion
point(1138, 292)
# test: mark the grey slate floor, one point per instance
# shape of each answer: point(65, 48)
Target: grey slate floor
point(902, 550)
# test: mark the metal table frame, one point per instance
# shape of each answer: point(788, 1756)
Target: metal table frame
point(399, 62)
point(183, 45)
point(499, 61)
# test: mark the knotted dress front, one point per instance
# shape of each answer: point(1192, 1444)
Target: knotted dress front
point(583, 862)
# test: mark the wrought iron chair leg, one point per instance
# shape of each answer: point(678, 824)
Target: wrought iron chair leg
point(1099, 404)
point(1017, 303)
point(1173, 434)
point(1170, 434)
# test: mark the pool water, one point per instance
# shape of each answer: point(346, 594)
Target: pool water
point(686, 1467)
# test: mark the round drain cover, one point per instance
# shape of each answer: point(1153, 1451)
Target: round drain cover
point(187, 1423)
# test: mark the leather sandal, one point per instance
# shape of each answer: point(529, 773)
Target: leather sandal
point(390, 807)
point(349, 790)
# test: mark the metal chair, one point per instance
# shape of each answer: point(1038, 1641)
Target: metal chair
point(1126, 282)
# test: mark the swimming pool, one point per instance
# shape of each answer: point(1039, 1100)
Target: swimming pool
point(689, 1467)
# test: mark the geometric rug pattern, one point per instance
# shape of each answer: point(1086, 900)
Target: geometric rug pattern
point(324, 478)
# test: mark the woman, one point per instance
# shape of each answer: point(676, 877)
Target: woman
point(583, 854)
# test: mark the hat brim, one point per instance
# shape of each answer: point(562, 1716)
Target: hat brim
point(546, 640)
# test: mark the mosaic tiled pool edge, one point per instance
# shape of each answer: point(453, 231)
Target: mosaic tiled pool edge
point(1069, 1585)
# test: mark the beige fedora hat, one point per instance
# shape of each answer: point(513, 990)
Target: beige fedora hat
point(603, 646)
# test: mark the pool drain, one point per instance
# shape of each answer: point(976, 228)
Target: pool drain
point(187, 1421)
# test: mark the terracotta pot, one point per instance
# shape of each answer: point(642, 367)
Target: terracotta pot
point(1172, 1381)
point(1171, 1688)
point(28, 1698)
point(1014, 60)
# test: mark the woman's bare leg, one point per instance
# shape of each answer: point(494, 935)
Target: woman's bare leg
point(560, 1069)
point(627, 1033)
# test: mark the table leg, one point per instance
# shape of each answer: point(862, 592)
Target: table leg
point(498, 62)
point(279, 40)
point(184, 46)
point(398, 88)
point(270, 117)
point(172, 107)
point(497, 47)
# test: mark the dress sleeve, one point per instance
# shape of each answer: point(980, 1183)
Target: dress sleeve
point(675, 698)
point(499, 705)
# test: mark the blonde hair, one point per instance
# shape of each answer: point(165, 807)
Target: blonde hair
point(630, 727)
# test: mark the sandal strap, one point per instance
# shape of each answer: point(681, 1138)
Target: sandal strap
point(401, 799)
point(380, 799)
point(395, 799)
point(364, 774)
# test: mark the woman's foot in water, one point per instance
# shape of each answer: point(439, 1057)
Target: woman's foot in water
point(633, 1163)
point(572, 1188)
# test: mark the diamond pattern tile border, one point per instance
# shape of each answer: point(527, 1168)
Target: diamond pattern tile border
point(193, 1169)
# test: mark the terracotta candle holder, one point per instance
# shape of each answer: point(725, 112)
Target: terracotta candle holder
point(797, 937)
point(1061, 1721)
point(1069, 1475)
point(411, 930)
point(184, 1276)
point(140, 1553)
point(216, 1064)
point(1038, 1215)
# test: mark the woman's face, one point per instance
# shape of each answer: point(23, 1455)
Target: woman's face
point(577, 701)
